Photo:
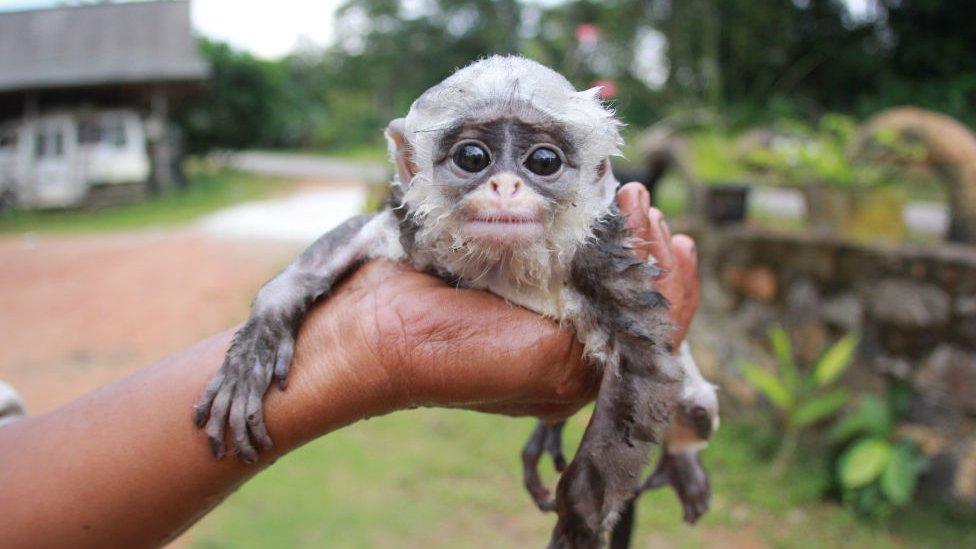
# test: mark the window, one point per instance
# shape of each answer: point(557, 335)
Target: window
point(89, 131)
point(40, 144)
point(58, 143)
point(113, 132)
point(8, 139)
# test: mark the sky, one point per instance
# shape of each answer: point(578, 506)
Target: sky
point(272, 29)
point(267, 29)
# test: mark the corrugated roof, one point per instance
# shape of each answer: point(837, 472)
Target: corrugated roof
point(98, 44)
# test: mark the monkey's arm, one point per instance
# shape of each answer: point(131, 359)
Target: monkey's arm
point(262, 349)
point(627, 330)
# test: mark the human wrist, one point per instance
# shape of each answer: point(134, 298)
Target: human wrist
point(334, 382)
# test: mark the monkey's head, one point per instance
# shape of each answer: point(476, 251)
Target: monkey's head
point(504, 163)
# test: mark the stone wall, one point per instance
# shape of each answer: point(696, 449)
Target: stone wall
point(915, 307)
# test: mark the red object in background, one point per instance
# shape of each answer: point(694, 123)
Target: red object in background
point(608, 88)
point(587, 33)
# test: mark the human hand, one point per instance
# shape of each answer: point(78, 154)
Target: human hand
point(433, 344)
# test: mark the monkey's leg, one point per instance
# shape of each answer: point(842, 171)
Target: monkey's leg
point(613, 300)
point(631, 413)
point(544, 438)
point(262, 349)
point(692, 424)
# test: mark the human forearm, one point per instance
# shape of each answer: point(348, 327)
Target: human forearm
point(124, 466)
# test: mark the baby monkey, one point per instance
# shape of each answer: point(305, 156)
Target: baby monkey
point(503, 183)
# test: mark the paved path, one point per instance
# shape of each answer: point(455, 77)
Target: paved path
point(301, 217)
point(932, 218)
point(306, 166)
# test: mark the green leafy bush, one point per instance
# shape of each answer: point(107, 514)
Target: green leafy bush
point(876, 471)
point(801, 400)
point(825, 154)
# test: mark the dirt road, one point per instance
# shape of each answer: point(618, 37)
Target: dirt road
point(78, 311)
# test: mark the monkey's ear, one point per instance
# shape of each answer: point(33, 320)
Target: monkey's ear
point(400, 151)
point(606, 182)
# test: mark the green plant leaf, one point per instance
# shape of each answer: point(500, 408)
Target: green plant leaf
point(863, 462)
point(819, 408)
point(833, 363)
point(768, 385)
point(900, 476)
point(783, 350)
point(872, 416)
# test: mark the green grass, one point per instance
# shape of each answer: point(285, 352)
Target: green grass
point(443, 478)
point(365, 153)
point(209, 189)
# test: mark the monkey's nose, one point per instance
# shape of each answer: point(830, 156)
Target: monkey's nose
point(506, 185)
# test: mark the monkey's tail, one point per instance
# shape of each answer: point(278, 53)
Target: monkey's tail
point(624, 529)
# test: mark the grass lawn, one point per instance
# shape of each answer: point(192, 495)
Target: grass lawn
point(444, 478)
point(209, 189)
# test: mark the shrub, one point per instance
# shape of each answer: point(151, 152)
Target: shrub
point(801, 400)
point(876, 470)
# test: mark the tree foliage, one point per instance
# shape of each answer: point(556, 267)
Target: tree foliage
point(752, 61)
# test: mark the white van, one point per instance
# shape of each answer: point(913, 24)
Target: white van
point(58, 159)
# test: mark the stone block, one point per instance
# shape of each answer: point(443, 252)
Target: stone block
point(949, 373)
point(910, 305)
point(845, 311)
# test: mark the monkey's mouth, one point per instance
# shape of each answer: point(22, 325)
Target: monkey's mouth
point(503, 227)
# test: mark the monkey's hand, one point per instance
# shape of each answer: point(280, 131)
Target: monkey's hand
point(262, 349)
point(684, 472)
point(680, 466)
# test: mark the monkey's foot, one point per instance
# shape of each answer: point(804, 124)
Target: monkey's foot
point(261, 349)
point(684, 472)
point(548, 439)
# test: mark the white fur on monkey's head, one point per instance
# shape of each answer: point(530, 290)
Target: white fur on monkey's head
point(514, 81)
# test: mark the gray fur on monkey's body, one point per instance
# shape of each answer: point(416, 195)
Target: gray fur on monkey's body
point(579, 271)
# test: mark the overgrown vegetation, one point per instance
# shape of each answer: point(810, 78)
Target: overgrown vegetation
point(209, 189)
point(756, 62)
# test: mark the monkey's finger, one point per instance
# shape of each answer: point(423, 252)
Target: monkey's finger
point(634, 202)
point(238, 426)
point(216, 425)
point(701, 507)
point(660, 477)
point(255, 418)
point(201, 410)
point(660, 241)
point(282, 362)
point(689, 513)
point(554, 445)
point(531, 453)
point(695, 507)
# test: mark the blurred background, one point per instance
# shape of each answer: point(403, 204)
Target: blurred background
point(160, 160)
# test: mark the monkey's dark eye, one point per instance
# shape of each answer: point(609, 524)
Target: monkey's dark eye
point(471, 158)
point(543, 161)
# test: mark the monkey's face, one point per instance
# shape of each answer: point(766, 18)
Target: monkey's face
point(504, 170)
point(506, 177)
